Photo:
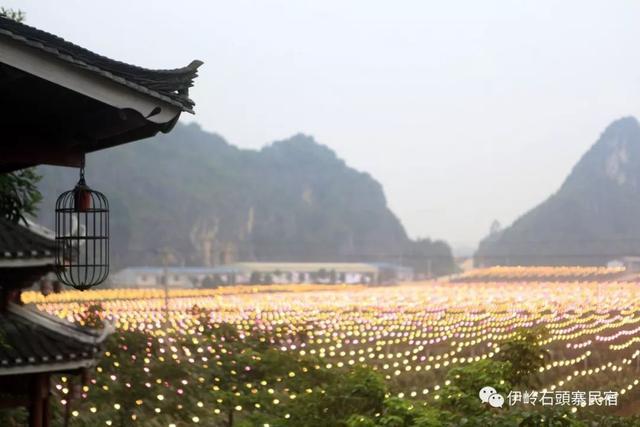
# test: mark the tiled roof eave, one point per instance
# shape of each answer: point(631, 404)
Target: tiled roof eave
point(185, 106)
point(170, 86)
point(61, 326)
point(20, 246)
point(48, 367)
point(6, 262)
point(34, 341)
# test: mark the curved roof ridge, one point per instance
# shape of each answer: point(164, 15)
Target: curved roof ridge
point(62, 326)
point(167, 84)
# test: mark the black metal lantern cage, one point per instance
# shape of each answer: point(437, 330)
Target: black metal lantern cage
point(82, 236)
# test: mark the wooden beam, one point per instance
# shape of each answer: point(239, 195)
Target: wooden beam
point(9, 76)
point(94, 132)
point(36, 157)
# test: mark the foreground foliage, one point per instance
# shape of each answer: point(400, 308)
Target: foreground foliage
point(19, 195)
point(339, 355)
point(133, 386)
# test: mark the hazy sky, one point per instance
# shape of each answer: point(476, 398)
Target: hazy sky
point(465, 111)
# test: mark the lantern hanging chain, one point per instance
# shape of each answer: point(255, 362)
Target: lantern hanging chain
point(82, 169)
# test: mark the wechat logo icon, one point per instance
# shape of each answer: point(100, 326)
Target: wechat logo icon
point(491, 396)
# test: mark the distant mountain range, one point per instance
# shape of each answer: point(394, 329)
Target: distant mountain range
point(211, 203)
point(593, 218)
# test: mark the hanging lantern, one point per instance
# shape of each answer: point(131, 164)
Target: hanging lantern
point(82, 236)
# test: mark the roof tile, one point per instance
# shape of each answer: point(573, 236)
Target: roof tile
point(18, 241)
point(169, 85)
point(23, 342)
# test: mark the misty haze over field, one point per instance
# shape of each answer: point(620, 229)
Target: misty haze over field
point(465, 112)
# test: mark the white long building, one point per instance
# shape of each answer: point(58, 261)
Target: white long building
point(260, 272)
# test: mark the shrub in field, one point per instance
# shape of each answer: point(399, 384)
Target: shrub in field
point(403, 413)
point(332, 401)
point(526, 355)
point(464, 383)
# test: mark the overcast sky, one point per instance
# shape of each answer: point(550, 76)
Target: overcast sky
point(465, 111)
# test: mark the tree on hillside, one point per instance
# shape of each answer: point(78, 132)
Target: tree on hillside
point(16, 15)
point(495, 228)
point(429, 257)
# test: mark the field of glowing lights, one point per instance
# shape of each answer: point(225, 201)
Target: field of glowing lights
point(412, 334)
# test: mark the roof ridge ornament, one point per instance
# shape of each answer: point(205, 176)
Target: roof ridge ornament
point(82, 236)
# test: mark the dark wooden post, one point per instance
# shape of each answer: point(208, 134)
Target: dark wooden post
point(39, 401)
point(46, 410)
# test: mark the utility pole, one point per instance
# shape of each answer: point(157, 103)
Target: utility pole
point(167, 257)
point(165, 280)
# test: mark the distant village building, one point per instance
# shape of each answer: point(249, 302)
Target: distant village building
point(391, 273)
point(261, 273)
point(176, 277)
point(630, 263)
